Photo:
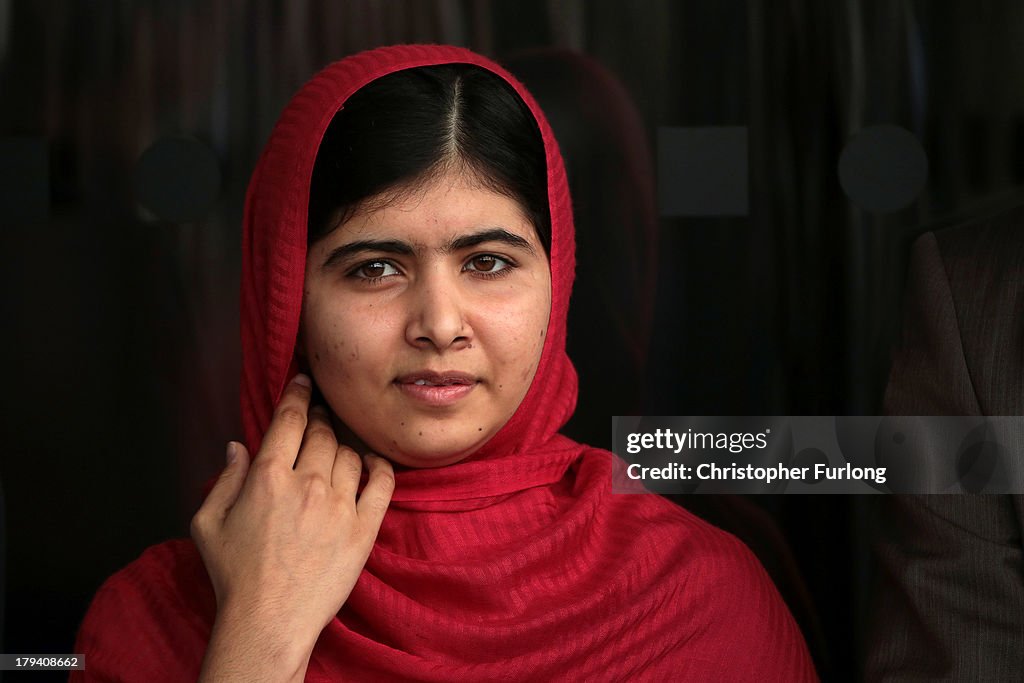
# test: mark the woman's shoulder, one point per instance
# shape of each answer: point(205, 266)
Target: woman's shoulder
point(149, 618)
point(724, 598)
point(694, 540)
point(169, 570)
point(650, 518)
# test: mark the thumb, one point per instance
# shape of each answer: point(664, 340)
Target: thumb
point(229, 484)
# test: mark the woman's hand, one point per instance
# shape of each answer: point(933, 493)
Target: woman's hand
point(285, 545)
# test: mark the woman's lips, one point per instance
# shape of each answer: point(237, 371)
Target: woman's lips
point(436, 389)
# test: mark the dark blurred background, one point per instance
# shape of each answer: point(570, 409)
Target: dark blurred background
point(748, 177)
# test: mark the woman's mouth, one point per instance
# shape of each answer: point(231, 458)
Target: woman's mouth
point(436, 389)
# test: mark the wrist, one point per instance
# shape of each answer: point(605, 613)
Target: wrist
point(246, 647)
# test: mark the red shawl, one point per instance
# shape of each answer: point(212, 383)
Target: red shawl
point(518, 563)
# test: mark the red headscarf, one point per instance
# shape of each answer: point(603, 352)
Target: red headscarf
point(518, 563)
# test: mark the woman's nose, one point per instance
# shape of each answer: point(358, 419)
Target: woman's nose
point(436, 317)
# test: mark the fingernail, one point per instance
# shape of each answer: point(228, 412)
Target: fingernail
point(302, 379)
point(232, 452)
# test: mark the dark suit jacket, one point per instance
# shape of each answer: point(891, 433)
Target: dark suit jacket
point(950, 599)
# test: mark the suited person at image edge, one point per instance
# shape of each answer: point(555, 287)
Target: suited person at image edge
point(949, 603)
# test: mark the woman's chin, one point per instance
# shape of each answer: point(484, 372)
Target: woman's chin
point(418, 444)
point(425, 452)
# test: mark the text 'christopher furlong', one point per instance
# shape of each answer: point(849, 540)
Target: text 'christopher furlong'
point(711, 471)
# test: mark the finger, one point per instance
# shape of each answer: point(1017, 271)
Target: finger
point(288, 425)
point(225, 491)
point(376, 495)
point(348, 468)
point(316, 456)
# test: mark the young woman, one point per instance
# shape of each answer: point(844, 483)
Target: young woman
point(408, 243)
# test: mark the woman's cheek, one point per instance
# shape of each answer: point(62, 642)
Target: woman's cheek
point(523, 335)
point(333, 357)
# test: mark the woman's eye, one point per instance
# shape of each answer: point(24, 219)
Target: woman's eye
point(486, 263)
point(374, 270)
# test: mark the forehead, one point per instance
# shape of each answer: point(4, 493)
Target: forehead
point(437, 210)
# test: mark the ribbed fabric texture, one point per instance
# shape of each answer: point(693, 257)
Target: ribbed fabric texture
point(516, 564)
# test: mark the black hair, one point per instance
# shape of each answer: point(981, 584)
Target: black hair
point(403, 129)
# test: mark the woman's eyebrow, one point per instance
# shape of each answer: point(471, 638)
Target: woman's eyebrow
point(343, 252)
point(491, 235)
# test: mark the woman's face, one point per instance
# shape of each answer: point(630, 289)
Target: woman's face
point(423, 320)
